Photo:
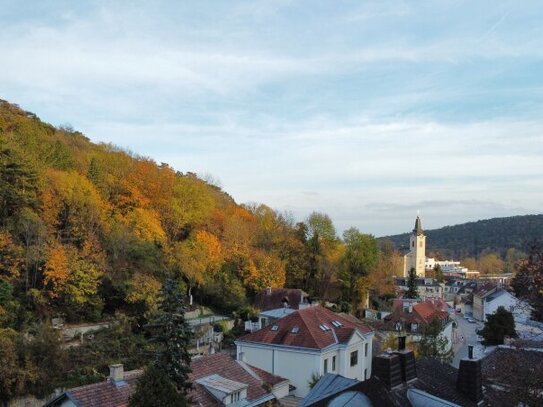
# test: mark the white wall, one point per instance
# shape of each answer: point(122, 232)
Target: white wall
point(298, 365)
point(519, 309)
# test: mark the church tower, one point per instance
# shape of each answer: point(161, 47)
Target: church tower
point(417, 251)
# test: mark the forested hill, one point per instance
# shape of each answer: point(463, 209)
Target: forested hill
point(472, 238)
point(88, 229)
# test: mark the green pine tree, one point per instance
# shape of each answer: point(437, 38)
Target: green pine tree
point(439, 273)
point(498, 326)
point(155, 388)
point(434, 345)
point(171, 336)
point(412, 291)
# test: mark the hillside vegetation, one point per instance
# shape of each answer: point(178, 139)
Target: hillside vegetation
point(473, 238)
point(91, 232)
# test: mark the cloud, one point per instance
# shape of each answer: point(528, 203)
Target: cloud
point(365, 111)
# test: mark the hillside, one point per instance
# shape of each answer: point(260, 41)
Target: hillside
point(472, 238)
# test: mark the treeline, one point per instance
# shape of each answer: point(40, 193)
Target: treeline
point(475, 239)
point(87, 230)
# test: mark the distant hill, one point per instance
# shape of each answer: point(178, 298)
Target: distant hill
point(470, 239)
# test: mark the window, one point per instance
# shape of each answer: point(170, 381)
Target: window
point(275, 328)
point(354, 358)
point(366, 350)
point(365, 374)
point(333, 363)
point(325, 366)
point(295, 330)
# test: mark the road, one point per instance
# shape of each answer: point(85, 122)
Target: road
point(466, 331)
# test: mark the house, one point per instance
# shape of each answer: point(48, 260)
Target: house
point(307, 343)
point(219, 377)
point(275, 298)
point(217, 380)
point(411, 317)
point(426, 287)
point(275, 303)
point(479, 297)
point(489, 297)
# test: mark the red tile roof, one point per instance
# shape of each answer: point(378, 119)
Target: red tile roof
point(231, 369)
point(273, 298)
point(423, 313)
point(309, 335)
point(106, 394)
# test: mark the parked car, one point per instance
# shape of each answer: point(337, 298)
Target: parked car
point(471, 320)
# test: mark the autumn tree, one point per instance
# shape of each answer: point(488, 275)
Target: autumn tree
point(360, 259)
point(198, 258)
point(528, 281)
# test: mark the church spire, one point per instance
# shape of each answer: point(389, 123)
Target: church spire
point(418, 227)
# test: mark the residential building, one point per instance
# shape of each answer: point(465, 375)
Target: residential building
point(410, 317)
point(217, 380)
point(311, 341)
point(400, 381)
point(417, 251)
point(426, 287)
point(489, 297)
point(276, 298)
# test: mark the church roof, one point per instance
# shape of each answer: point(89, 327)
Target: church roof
point(418, 227)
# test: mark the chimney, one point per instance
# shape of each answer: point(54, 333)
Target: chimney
point(470, 378)
point(408, 366)
point(116, 374)
point(388, 369)
point(401, 342)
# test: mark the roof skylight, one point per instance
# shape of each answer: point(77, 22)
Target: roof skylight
point(275, 328)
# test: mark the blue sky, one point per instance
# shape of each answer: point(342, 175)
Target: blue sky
point(365, 110)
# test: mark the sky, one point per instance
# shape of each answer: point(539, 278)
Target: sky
point(368, 111)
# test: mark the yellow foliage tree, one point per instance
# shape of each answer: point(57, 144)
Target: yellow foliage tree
point(144, 288)
point(57, 270)
point(199, 258)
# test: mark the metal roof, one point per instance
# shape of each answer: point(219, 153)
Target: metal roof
point(327, 386)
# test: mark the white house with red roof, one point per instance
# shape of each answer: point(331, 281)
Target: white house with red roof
point(308, 342)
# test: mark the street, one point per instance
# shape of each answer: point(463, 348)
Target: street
point(467, 331)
